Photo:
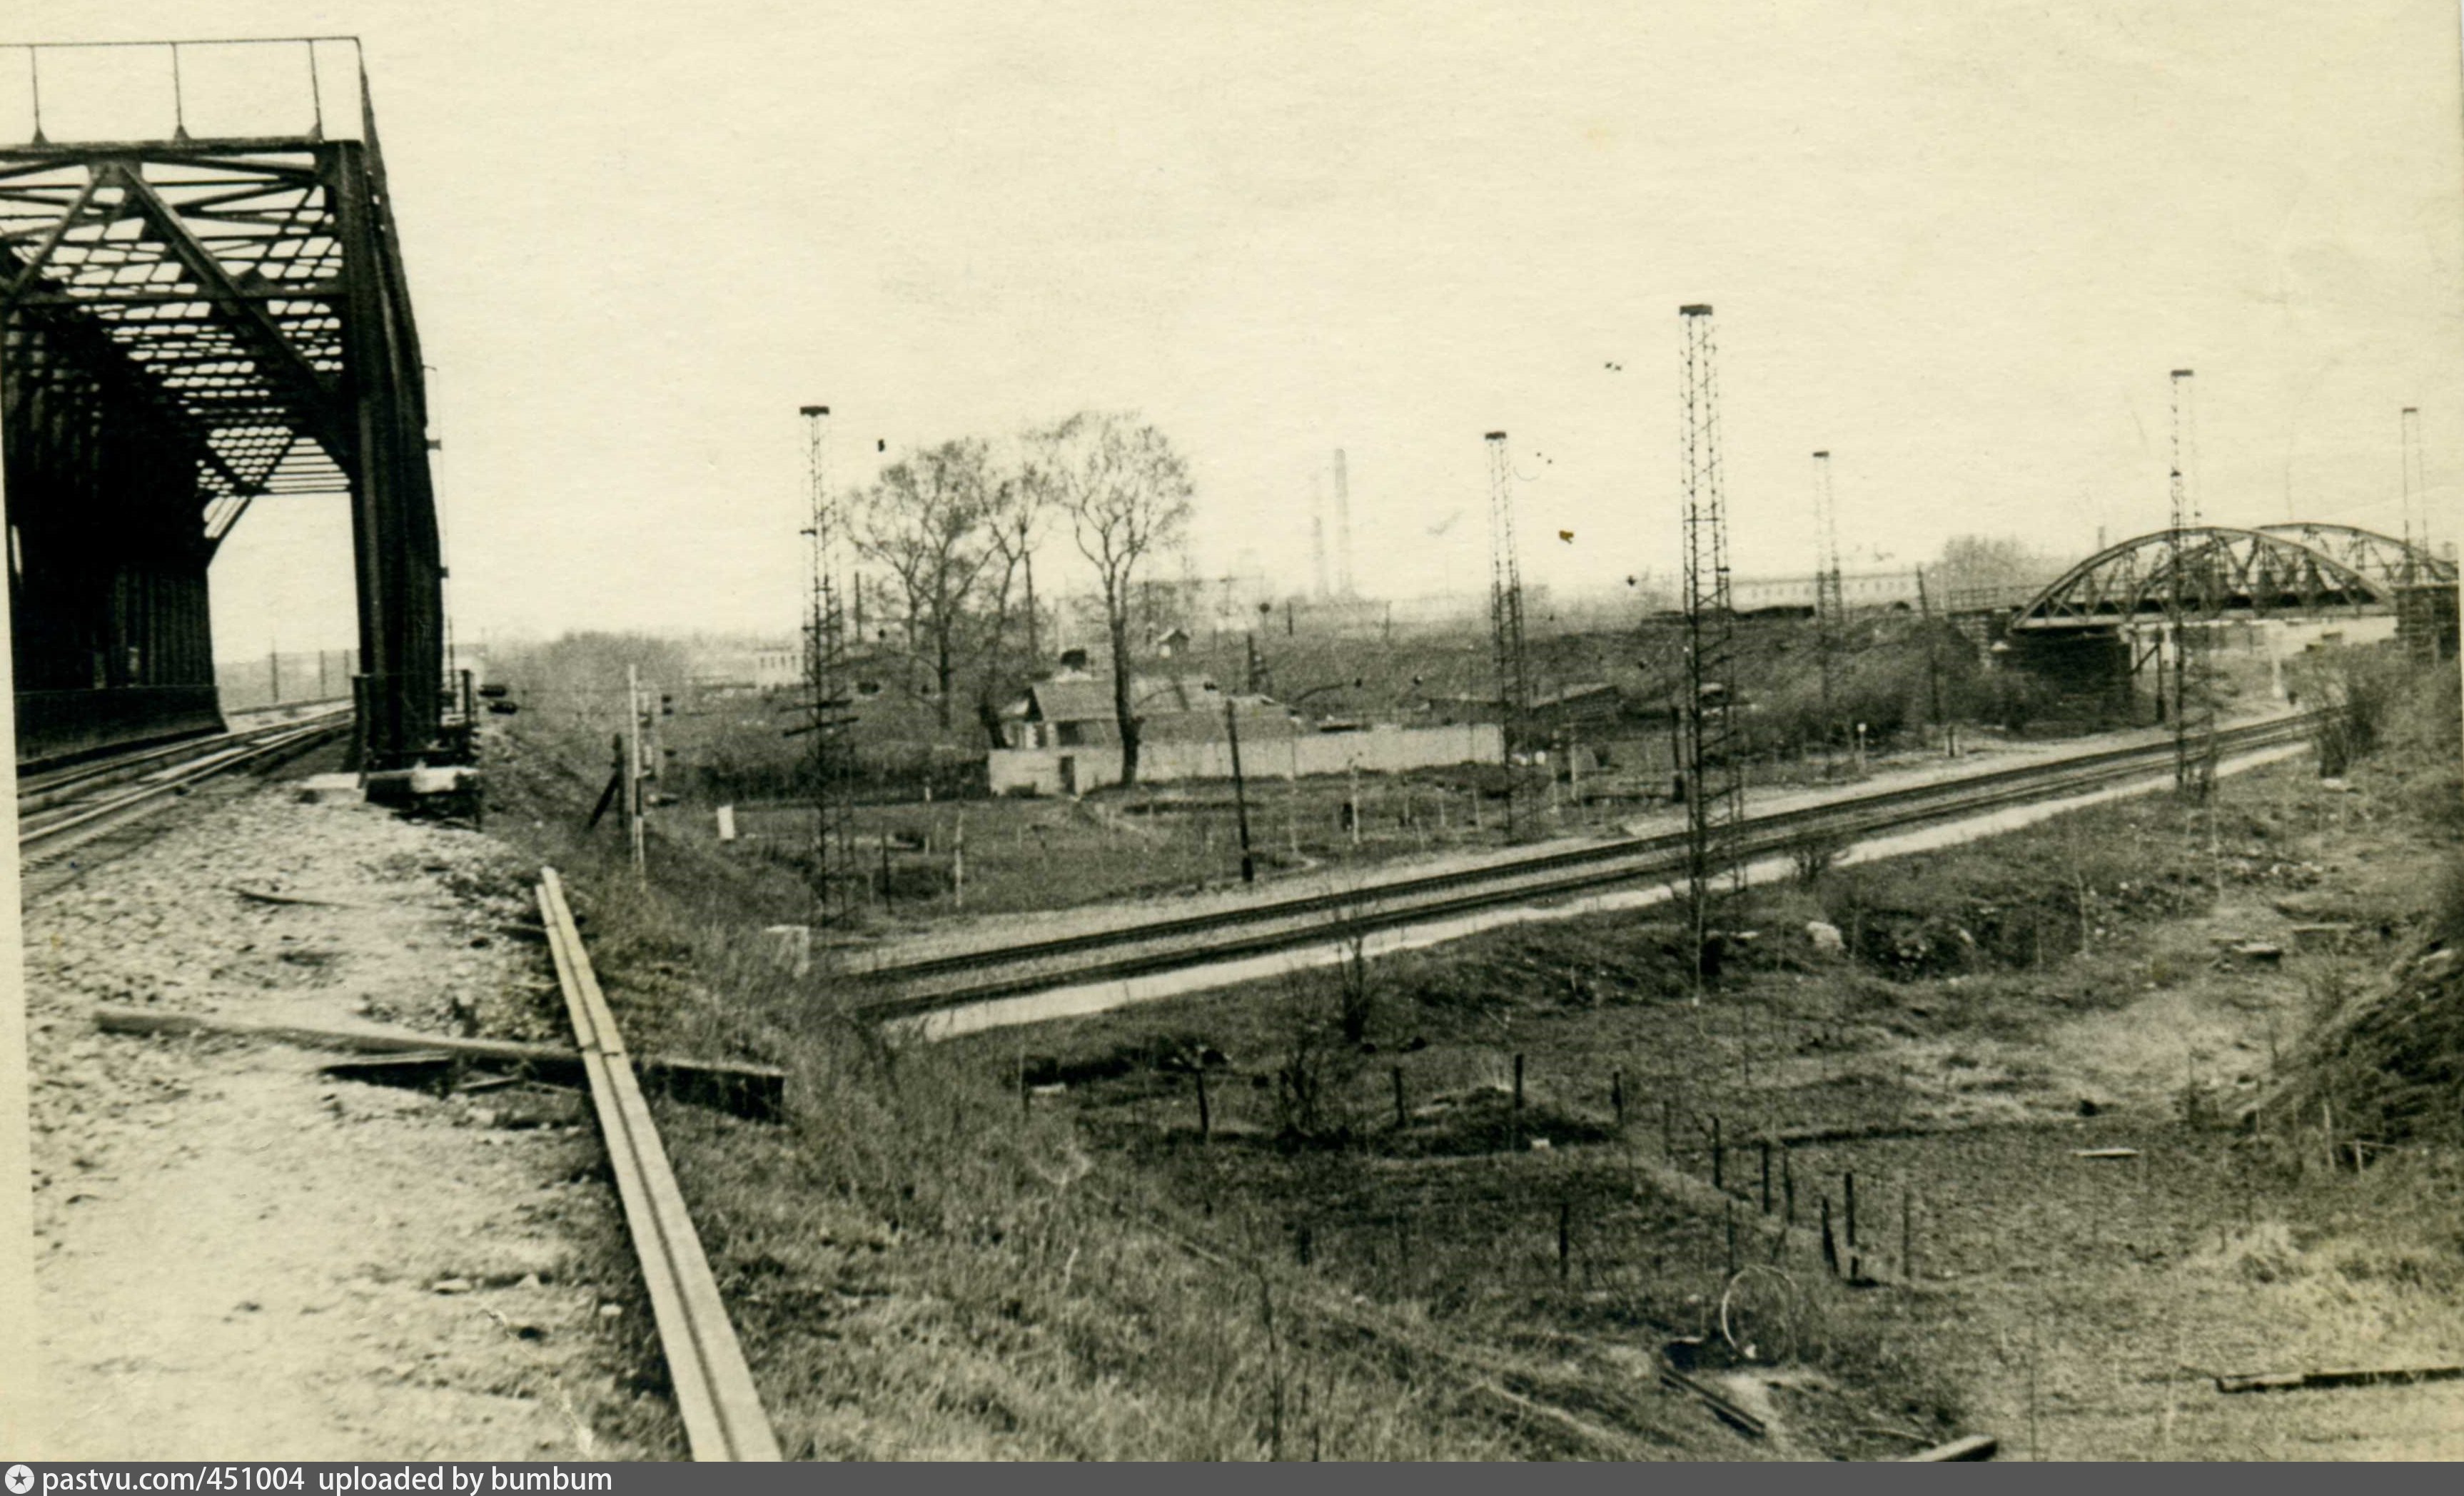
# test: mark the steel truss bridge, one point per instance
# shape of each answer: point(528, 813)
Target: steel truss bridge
point(2299, 570)
point(194, 323)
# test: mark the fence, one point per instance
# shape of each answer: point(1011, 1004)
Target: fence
point(1380, 750)
point(313, 675)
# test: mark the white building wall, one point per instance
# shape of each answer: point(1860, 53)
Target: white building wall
point(1380, 750)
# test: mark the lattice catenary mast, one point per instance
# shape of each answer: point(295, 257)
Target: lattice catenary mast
point(825, 679)
point(2416, 618)
point(1829, 606)
point(2191, 605)
point(1714, 793)
point(1505, 615)
point(2410, 422)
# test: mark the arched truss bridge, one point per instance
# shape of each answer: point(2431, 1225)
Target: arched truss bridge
point(2303, 569)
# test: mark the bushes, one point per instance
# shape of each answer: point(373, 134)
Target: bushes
point(2015, 902)
point(2358, 692)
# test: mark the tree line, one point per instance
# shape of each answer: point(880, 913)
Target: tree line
point(947, 535)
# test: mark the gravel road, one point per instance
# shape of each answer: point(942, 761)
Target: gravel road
point(238, 1256)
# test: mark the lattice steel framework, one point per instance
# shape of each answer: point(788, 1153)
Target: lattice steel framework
point(1715, 806)
point(1507, 655)
point(2287, 571)
point(1829, 606)
point(2421, 643)
point(2382, 562)
point(247, 294)
point(830, 722)
point(2408, 435)
point(2191, 605)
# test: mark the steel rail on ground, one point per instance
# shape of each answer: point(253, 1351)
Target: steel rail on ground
point(42, 787)
point(715, 1397)
point(1185, 940)
point(84, 806)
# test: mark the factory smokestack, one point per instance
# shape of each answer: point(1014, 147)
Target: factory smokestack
point(1342, 527)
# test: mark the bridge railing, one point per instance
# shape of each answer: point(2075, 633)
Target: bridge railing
point(286, 88)
point(1984, 600)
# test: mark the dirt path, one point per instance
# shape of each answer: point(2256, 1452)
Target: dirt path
point(238, 1256)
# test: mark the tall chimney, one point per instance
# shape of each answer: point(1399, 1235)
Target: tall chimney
point(1342, 526)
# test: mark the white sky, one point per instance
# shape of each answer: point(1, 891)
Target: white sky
point(1958, 243)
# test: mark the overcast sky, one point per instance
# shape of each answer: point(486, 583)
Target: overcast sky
point(1957, 243)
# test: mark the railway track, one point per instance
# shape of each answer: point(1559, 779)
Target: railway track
point(908, 988)
point(716, 1398)
point(62, 811)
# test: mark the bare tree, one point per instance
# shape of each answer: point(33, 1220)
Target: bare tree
point(928, 522)
point(1008, 608)
point(1127, 494)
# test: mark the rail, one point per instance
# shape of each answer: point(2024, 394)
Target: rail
point(714, 1394)
point(64, 808)
point(1307, 918)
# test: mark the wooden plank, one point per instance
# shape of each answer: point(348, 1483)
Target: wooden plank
point(715, 1397)
point(1975, 1447)
point(752, 1090)
point(1726, 1410)
point(2377, 1376)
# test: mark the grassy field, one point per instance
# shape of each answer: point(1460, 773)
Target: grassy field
point(1023, 1245)
point(2008, 1008)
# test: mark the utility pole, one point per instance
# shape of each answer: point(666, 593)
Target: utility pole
point(2190, 605)
point(2417, 620)
point(632, 791)
point(2409, 424)
point(1240, 791)
point(1027, 559)
point(1715, 796)
point(830, 725)
point(1506, 616)
point(1932, 653)
point(1830, 610)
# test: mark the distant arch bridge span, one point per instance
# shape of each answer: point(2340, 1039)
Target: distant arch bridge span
point(2305, 569)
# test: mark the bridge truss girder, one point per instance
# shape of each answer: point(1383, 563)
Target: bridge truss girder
point(2306, 570)
point(247, 294)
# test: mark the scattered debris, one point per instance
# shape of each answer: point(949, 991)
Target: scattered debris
point(791, 948)
point(268, 897)
point(1726, 1410)
point(2383, 1377)
point(757, 1091)
point(2322, 935)
point(1975, 1446)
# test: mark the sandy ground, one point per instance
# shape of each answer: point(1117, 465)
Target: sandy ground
point(240, 1257)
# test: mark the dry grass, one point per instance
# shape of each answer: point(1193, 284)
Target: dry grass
point(922, 1265)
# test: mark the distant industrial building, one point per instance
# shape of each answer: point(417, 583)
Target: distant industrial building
point(758, 668)
point(1074, 710)
point(1881, 589)
point(1063, 738)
